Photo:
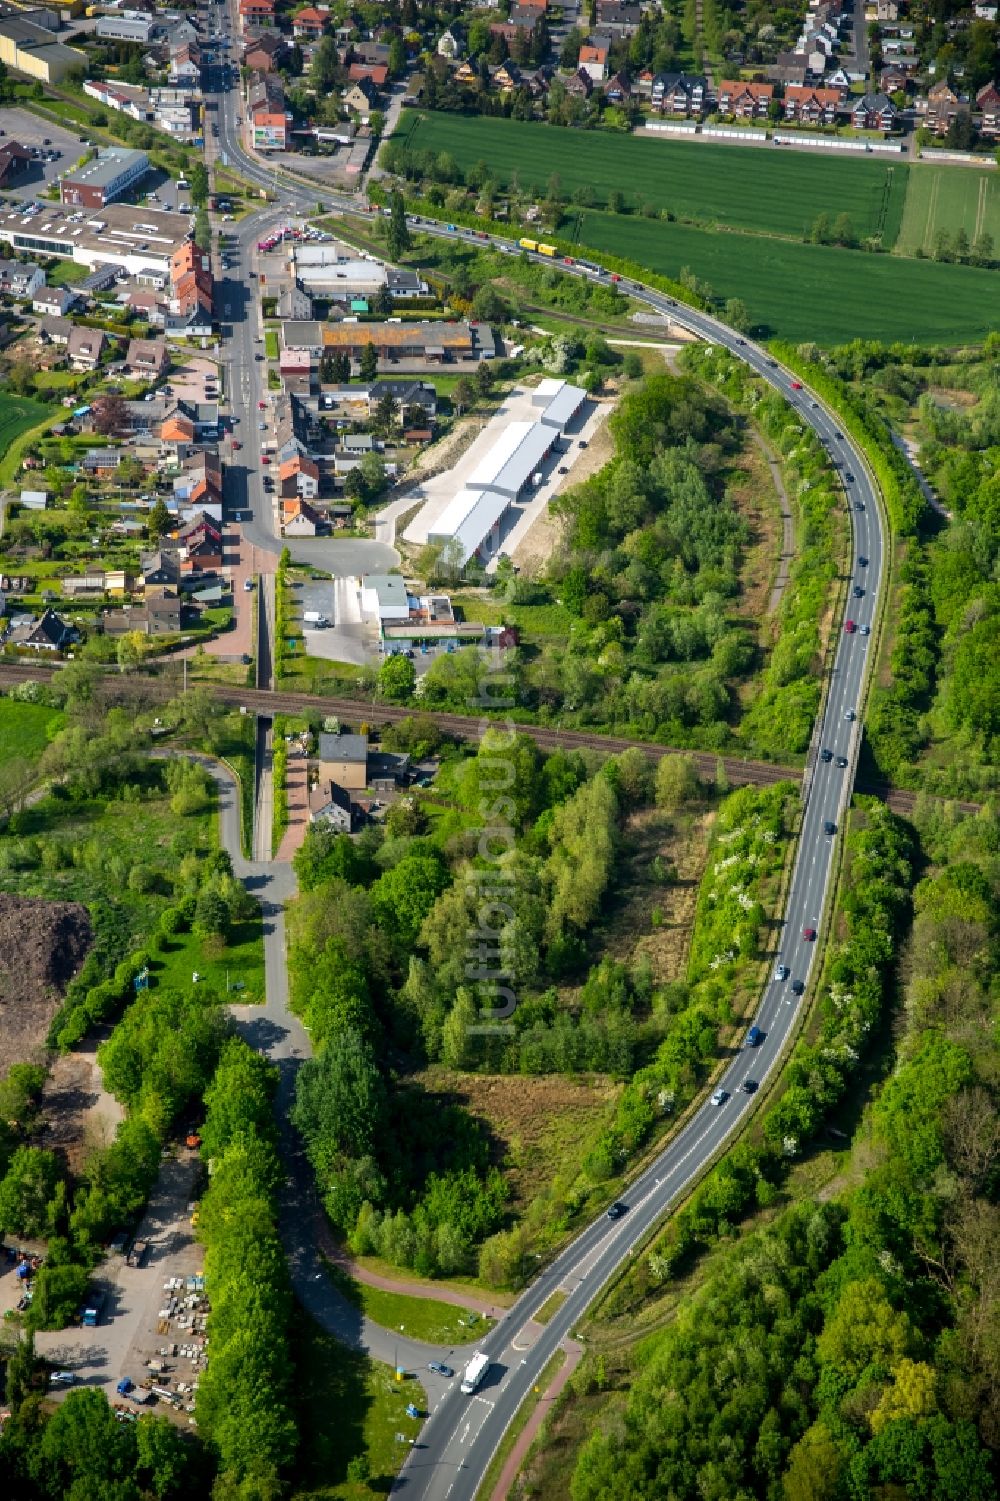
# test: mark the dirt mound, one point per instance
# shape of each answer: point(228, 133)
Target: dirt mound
point(42, 945)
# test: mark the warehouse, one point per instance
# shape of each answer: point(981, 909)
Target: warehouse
point(110, 175)
point(33, 50)
point(560, 402)
point(141, 240)
point(130, 28)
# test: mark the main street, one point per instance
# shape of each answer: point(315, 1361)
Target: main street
point(462, 1433)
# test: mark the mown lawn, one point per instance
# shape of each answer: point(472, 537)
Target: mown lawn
point(26, 729)
point(812, 292)
point(949, 198)
point(418, 1318)
point(760, 189)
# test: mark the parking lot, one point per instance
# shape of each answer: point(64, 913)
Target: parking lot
point(22, 126)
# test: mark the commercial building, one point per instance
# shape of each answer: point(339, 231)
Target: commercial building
point(470, 522)
point(32, 50)
point(139, 240)
point(406, 346)
point(126, 28)
point(108, 177)
point(384, 597)
point(320, 271)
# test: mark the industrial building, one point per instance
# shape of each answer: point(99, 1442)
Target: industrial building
point(108, 177)
point(131, 27)
point(320, 271)
point(34, 51)
point(142, 241)
point(472, 517)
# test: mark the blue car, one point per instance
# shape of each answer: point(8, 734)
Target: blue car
point(754, 1036)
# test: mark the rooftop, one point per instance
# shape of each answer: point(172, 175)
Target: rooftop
point(108, 167)
point(344, 748)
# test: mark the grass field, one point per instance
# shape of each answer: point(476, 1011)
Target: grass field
point(950, 198)
point(419, 1318)
point(757, 189)
point(813, 292)
point(18, 414)
point(26, 729)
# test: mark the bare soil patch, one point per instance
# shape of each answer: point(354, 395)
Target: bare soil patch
point(80, 1115)
point(42, 945)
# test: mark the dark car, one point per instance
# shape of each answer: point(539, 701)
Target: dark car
point(439, 1368)
point(841, 762)
point(754, 1037)
point(749, 1086)
point(859, 505)
point(829, 827)
point(849, 477)
point(798, 986)
point(859, 593)
point(862, 562)
point(826, 754)
point(617, 1210)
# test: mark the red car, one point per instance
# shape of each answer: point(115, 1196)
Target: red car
point(264, 459)
point(237, 443)
point(796, 385)
point(262, 406)
point(850, 627)
point(809, 934)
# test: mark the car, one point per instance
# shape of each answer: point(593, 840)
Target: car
point(262, 427)
point(563, 469)
point(809, 934)
point(850, 715)
point(720, 1096)
point(617, 1209)
point(829, 827)
point(850, 627)
point(859, 593)
point(826, 754)
point(440, 1369)
point(247, 586)
point(62, 1378)
point(814, 404)
point(849, 477)
point(796, 385)
point(237, 443)
point(749, 1086)
point(781, 972)
point(839, 435)
point(862, 562)
point(741, 342)
point(859, 505)
point(798, 986)
point(865, 630)
point(259, 359)
point(265, 458)
point(754, 1037)
point(262, 406)
point(583, 442)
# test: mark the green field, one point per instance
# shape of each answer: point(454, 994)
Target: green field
point(26, 729)
point(18, 414)
point(950, 198)
point(813, 292)
point(747, 187)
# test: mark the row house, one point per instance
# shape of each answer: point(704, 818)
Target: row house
point(988, 105)
point(942, 107)
point(809, 106)
point(299, 475)
point(873, 112)
point(744, 101)
point(191, 285)
point(264, 53)
point(618, 17)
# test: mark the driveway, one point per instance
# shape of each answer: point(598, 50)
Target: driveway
point(346, 638)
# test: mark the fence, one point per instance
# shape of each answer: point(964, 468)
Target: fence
point(833, 143)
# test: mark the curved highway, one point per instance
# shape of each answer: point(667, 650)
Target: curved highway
point(462, 1432)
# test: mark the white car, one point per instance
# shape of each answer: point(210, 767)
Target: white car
point(720, 1097)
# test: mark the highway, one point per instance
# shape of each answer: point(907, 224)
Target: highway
point(462, 1432)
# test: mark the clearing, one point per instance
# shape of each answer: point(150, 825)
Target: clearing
point(760, 190)
point(949, 198)
point(26, 729)
point(42, 945)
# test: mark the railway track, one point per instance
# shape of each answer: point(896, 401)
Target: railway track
point(268, 702)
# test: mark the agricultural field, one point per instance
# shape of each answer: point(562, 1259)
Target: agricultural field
point(17, 415)
point(812, 292)
point(26, 729)
point(753, 189)
point(948, 198)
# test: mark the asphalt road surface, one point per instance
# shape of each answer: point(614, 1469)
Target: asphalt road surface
point(463, 1432)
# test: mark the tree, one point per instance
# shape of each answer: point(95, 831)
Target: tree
point(372, 471)
point(396, 678)
point(676, 782)
point(385, 413)
point(369, 362)
point(383, 303)
point(456, 1038)
point(397, 56)
point(158, 521)
point(398, 237)
point(463, 396)
point(198, 184)
point(325, 72)
point(26, 1191)
point(109, 414)
point(403, 896)
point(84, 1451)
point(131, 649)
point(488, 306)
point(22, 1368)
point(340, 1099)
point(814, 1467)
point(161, 1455)
point(211, 914)
point(736, 314)
point(202, 230)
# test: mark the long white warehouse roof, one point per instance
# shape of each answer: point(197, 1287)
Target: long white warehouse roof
point(469, 517)
point(563, 405)
point(506, 445)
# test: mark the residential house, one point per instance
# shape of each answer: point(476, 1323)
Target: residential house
point(811, 106)
point(942, 107)
point(299, 476)
point(53, 302)
point(618, 90)
point(894, 79)
point(988, 105)
point(55, 331)
point(507, 77)
point(343, 759)
point(185, 65)
point(466, 73)
point(744, 101)
point(873, 112)
point(449, 46)
point(177, 436)
point(295, 367)
point(102, 461)
point(256, 13)
point(331, 806)
point(679, 93)
point(882, 10)
point(191, 283)
point(594, 59)
point(407, 394)
point(361, 97)
point(376, 73)
point(49, 634)
point(298, 519)
point(20, 280)
point(295, 302)
point(369, 52)
point(160, 568)
point(310, 24)
point(580, 85)
point(790, 67)
point(85, 347)
point(263, 54)
point(618, 17)
point(148, 358)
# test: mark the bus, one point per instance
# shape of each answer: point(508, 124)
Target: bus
point(528, 244)
point(547, 250)
point(475, 1371)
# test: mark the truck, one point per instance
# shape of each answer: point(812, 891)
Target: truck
point(315, 619)
point(90, 1313)
point(137, 1253)
point(475, 1371)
